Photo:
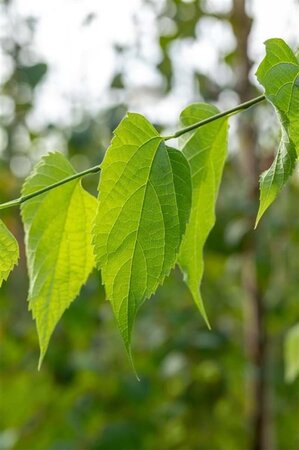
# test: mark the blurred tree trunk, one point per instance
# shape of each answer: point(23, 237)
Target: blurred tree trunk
point(259, 415)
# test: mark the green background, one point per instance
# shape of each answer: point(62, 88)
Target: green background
point(196, 385)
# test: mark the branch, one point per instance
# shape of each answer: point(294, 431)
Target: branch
point(24, 198)
point(96, 169)
point(228, 112)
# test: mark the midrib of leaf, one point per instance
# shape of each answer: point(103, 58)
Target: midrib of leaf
point(138, 148)
point(145, 186)
point(53, 276)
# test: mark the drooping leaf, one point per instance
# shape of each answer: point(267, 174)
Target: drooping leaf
point(144, 204)
point(291, 352)
point(58, 227)
point(279, 75)
point(9, 252)
point(205, 150)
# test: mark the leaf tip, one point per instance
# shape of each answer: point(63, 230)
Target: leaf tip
point(199, 303)
point(205, 317)
point(43, 339)
point(257, 220)
point(130, 356)
point(264, 205)
point(40, 361)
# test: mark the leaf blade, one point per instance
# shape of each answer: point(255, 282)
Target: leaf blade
point(140, 218)
point(278, 73)
point(205, 150)
point(62, 216)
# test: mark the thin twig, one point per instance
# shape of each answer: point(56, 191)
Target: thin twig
point(95, 169)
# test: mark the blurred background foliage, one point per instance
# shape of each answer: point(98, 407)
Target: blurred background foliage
point(199, 389)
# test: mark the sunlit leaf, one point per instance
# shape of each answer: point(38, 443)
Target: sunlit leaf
point(144, 203)
point(205, 150)
point(279, 74)
point(9, 252)
point(59, 252)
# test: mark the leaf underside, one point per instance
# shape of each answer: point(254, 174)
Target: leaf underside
point(9, 252)
point(144, 204)
point(278, 73)
point(292, 354)
point(205, 150)
point(58, 226)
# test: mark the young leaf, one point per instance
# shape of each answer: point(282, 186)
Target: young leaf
point(205, 150)
point(291, 352)
point(58, 226)
point(279, 74)
point(9, 252)
point(144, 204)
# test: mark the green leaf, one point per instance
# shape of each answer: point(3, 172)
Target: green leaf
point(279, 74)
point(9, 252)
point(144, 204)
point(58, 227)
point(291, 352)
point(205, 150)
